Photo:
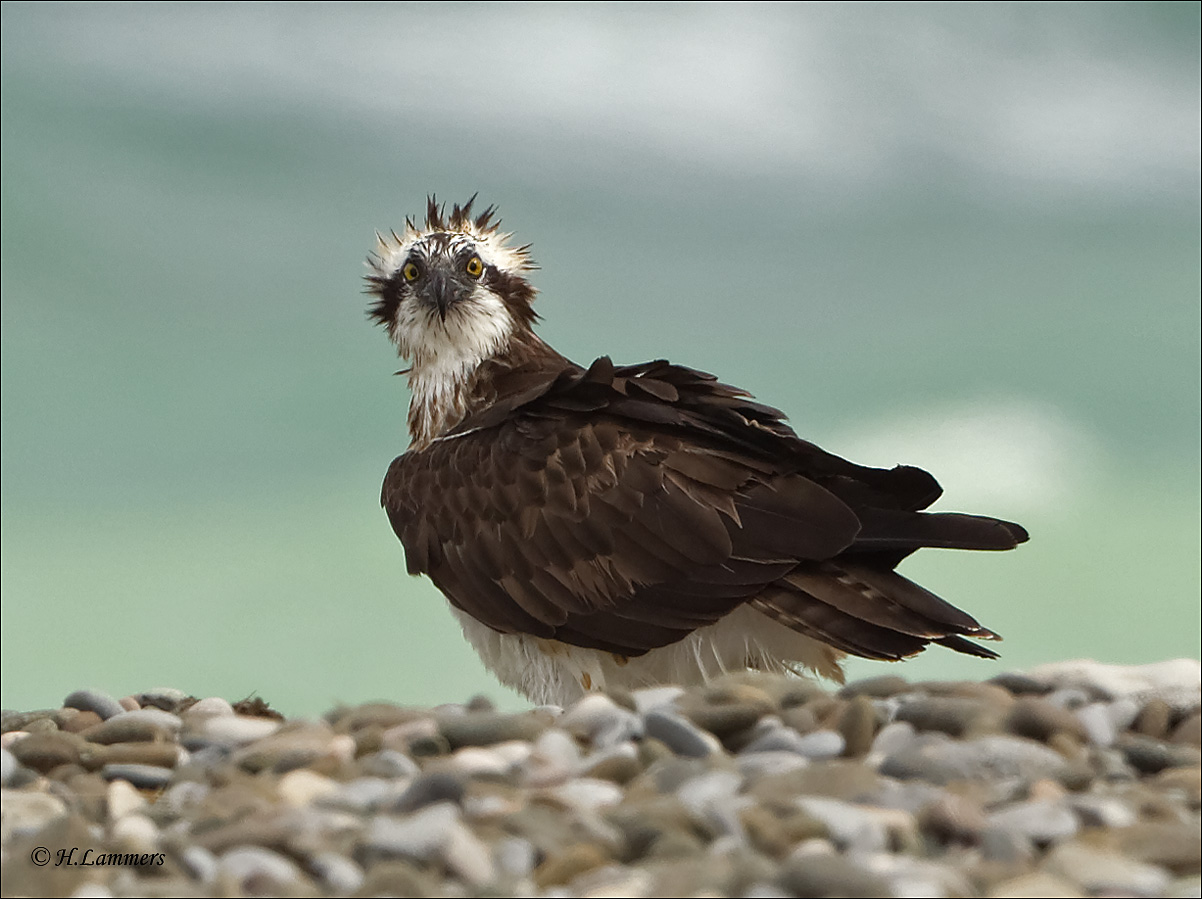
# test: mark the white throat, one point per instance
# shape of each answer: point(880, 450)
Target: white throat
point(445, 356)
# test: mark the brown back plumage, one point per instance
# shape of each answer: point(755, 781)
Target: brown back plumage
point(621, 508)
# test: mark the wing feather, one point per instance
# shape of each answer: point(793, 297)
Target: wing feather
point(622, 508)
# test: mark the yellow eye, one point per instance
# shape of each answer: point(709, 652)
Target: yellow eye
point(475, 267)
point(410, 272)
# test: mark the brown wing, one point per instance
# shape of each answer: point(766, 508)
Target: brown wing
point(620, 509)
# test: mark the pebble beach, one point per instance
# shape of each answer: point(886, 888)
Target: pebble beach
point(1072, 779)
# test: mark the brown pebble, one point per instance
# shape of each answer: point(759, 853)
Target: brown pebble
point(953, 818)
point(725, 719)
point(488, 728)
point(1188, 780)
point(91, 795)
point(1044, 788)
point(45, 752)
point(399, 878)
point(298, 745)
point(857, 724)
point(1153, 719)
point(43, 725)
point(1038, 719)
point(563, 866)
point(838, 778)
point(965, 689)
point(881, 687)
point(775, 831)
point(826, 710)
point(162, 755)
point(1173, 845)
point(957, 716)
point(121, 729)
point(1149, 755)
point(800, 718)
point(1036, 885)
point(80, 721)
point(652, 750)
point(831, 875)
point(613, 767)
point(1189, 731)
point(129, 703)
point(734, 691)
point(378, 714)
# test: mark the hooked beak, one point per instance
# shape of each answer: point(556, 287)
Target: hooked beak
point(443, 290)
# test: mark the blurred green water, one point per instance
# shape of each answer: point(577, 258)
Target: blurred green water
point(196, 415)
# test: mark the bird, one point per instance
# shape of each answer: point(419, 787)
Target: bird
point(614, 527)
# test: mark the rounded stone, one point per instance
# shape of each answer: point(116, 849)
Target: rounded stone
point(145, 777)
point(337, 872)
point(234, 730)
point(163, 755)
point(209, 707)
point(27, 813)
point(953, 715)
point(953, 819)
point(618, 764)
point(1189, 731)
point(1038, 719)
point(135, 833)
point(301, 787)
point(420, 836)
point(259, 871)
point(1170, 844)
point(168, 699)
point(291, 747)
point(95, 701)
point(1097, 723)
point(45, 752)
point(79, 722)
point(880, 687)
point(1040, 821)
point(1102, 811)
point(1150, 756)
point(601, 721)
point(140, 725)
point(388, 763)
point(122, 799)
point(365, 794)
point(830, 875)
point(587, 794)
point(723, 719)
point(486, 728)
point(430, 788)
point(1106, 873)
point(650, 699)
point(985, 758)
point(1019, 684)
point(200, 863)
point(566, 864)
point(8, 767)
point(857, 724)
point(680, 735)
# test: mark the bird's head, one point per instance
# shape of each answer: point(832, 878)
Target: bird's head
point(453, 290)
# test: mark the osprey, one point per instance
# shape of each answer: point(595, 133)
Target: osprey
point(621, 526)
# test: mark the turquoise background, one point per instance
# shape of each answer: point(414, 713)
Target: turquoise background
point(959, 236)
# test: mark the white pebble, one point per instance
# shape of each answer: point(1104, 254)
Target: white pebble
point(122, 799)
point(301, 787)
point(135, 833)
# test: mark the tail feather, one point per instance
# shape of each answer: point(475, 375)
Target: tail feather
point(876, 614)
point(889, 529)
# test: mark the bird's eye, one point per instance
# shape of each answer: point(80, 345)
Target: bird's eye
point(475, 267)
point(410, 272)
